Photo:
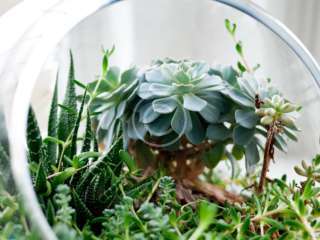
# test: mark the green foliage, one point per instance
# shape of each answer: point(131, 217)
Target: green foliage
point(89, 194)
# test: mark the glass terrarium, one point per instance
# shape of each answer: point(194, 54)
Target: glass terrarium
point(37, 55)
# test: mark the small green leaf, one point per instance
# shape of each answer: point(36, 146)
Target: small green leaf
point(63, 176)
point(207, 212)
point(54, 140)
point(214, 155)
point(308, 192)
point(241, 67)
point(237, 152)
point(273, 223)
point(128, 160)
point(239, 48)
point(231, 27)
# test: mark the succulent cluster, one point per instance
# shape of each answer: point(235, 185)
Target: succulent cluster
point(173, 100)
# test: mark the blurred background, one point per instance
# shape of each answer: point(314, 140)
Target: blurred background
point(143, 30)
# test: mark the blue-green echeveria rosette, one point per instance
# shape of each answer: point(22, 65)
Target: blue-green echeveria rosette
point(179, 97)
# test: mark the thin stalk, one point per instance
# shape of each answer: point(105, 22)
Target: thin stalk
point(267, 156)
point(154, 188)
point(142, 227)
point(198, 232)
point(243, 59)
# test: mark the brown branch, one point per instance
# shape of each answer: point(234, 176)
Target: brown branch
point(268, 155)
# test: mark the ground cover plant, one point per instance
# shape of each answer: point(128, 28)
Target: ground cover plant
point(144, 165)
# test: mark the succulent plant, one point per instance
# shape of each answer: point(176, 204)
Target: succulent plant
point(113, 96)
point(172, 100)
point(179, 97)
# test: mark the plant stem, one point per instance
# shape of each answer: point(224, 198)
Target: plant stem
point(268, 155)
point(155, 187)
point(244, 61)
point(197, 233)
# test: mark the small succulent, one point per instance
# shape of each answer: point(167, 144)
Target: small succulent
point(113, 94)
point(277, 109)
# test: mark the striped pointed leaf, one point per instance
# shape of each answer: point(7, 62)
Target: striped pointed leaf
point(34, 139)
point(53, 127)
point(68, 115)
point(76, 127)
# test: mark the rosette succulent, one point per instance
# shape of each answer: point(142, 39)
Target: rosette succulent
point(179, 98)
point(112, 96)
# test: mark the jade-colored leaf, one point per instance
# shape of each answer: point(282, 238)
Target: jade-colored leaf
point(165, 105)
point(160, 126)
point(247, 119)
point(193, 102)
point(251, 155)
point(242, 136)
point(197, 133)
point(148, 115)
point(179, 122)
point(218, 132)
point(214, 155)
point(210, 113)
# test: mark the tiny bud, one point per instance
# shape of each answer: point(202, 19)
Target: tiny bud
point(277, 101)
point(299, 171)
point(266, 120)
point(286, 120)
point(260, 112)
point(270, 111)
point(304, 164)
point(288, 107)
